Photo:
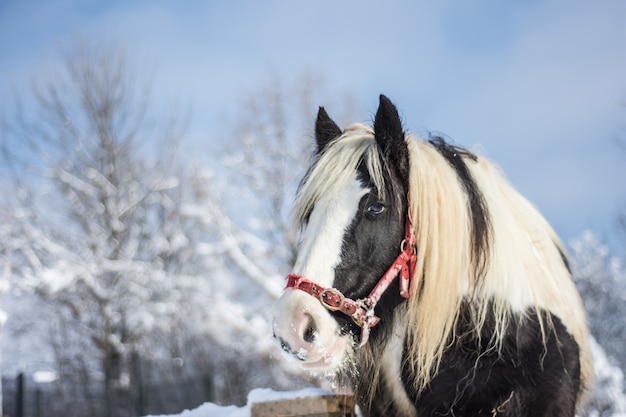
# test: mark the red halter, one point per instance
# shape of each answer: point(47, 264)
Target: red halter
point(362, 311)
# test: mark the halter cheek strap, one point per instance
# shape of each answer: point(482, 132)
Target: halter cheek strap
point(362, 311)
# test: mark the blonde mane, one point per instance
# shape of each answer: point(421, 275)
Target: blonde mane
point(336, 166)
point(524, 268)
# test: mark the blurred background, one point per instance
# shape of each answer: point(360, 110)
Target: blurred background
point(150, 152)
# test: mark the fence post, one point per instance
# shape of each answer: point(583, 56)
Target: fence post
point(38, 400)
point(208, 386)
point(19, 403)
point(137, 384)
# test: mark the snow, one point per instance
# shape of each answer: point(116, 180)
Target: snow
point(214, 410)
point(256, 396)
point(44, 377)
point(262, 394)
point(608, 391)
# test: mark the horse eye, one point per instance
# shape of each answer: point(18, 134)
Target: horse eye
point(375, 208)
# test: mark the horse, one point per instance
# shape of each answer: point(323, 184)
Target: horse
point(428, 281)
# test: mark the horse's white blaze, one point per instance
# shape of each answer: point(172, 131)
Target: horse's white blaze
point(320, 250)
point(297, 312)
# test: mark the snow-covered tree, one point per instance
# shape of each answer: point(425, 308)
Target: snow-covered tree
point(607, 398)
point(271, 147)
point(130, 252)
point(4, 285)
point(601, 280)
point(98, 233)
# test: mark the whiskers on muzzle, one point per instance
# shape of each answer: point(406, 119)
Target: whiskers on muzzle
point(286, 348)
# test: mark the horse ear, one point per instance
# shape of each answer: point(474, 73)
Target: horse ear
point(325, 129)
point(390, 136)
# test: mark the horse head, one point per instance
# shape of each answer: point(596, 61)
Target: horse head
point(352, 205)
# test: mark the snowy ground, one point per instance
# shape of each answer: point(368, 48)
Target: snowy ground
point(255, 396)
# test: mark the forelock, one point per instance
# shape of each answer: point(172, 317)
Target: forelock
point(336, 166)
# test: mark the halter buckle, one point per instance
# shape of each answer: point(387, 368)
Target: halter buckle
point(332, 299)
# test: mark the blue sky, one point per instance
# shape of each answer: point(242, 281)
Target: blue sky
point(537, 86)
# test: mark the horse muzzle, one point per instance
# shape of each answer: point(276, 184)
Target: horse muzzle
point(306, 331)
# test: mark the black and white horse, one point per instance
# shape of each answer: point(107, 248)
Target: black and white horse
point(429, 281)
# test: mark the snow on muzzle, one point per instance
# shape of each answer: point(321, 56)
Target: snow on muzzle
point(307, 332)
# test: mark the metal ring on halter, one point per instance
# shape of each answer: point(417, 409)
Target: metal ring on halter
point(403, 243)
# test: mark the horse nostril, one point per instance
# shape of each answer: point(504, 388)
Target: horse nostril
point(310, 332)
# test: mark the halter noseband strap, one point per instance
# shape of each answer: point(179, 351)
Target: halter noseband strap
point(362, 311)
